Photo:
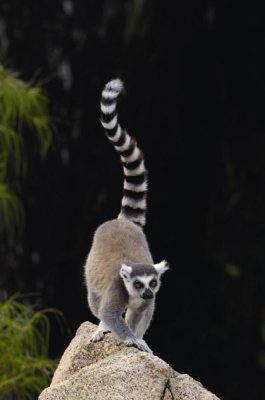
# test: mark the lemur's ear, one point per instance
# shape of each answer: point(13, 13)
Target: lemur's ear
point(161, 267)
point(125, 271)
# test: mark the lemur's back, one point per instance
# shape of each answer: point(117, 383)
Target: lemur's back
point(115, 242)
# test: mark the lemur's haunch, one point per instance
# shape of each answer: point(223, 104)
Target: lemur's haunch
point(120, 274)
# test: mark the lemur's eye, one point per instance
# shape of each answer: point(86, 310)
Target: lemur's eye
point(153, 283)
point(138, 285)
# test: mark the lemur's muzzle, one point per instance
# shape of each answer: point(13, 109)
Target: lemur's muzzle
point(147, 294)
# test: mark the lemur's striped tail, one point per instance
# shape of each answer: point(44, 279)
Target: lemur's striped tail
point(133, 205)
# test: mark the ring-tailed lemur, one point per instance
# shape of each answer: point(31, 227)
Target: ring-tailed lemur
point(120, 273)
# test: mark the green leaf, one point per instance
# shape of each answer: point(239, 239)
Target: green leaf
point(23, 107)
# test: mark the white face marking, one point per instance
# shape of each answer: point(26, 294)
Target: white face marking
point(145, 279)
point(135, 293)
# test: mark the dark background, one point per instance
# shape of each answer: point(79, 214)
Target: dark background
point(195, 80)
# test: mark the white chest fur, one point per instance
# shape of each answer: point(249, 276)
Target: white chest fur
point(137, 303)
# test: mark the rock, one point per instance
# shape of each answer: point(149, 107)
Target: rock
point(108, 370)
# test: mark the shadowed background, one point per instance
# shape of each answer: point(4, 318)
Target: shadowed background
point(195, 82)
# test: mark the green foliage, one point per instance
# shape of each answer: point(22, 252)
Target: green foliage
point(12, 210)
point(23, 106)
point(25, 368)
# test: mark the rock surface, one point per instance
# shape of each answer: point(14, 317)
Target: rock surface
point(108, 370)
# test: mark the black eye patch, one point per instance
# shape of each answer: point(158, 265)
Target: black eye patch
point(153, 283)
point(138, 285)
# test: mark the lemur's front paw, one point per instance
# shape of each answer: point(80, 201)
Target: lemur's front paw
point(147, 348)
point(138, 343)
point(98, 336)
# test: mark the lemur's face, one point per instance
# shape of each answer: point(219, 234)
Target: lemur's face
point(144, 286)
point(142, 280)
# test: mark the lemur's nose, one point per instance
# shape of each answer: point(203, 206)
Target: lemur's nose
point(147, 294)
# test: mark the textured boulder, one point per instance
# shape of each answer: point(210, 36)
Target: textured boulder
point(108, 370)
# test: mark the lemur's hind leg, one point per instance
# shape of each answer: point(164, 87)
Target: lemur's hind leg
point(93, 301)
point(102, 329)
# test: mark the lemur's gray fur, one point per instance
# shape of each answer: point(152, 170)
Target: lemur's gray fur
point(121, 277)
